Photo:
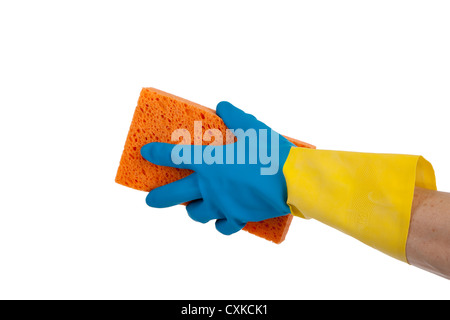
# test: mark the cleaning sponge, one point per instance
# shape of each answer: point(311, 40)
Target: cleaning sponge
point(156, 116)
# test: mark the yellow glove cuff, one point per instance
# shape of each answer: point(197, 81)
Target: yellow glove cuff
point(367, 196)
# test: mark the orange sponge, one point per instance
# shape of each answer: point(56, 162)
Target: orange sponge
point(156, 116)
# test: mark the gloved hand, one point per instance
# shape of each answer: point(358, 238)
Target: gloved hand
point(365, 195)
point(223, 186)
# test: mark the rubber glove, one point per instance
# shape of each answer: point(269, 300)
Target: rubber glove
point(234, 183)
point(365, 195)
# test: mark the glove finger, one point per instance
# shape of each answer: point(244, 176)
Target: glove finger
point(228, 226)
point(180, 191)
point(202, 211)
point(166, 154)
point(235, 118)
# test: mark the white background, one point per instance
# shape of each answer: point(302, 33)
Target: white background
point(368, 76)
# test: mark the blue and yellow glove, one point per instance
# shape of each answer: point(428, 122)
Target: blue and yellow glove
point(368, 196)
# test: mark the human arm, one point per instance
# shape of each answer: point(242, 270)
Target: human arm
point(367, 196)
point(428, 244)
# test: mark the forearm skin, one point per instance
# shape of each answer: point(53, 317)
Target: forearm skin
point(428, 243)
